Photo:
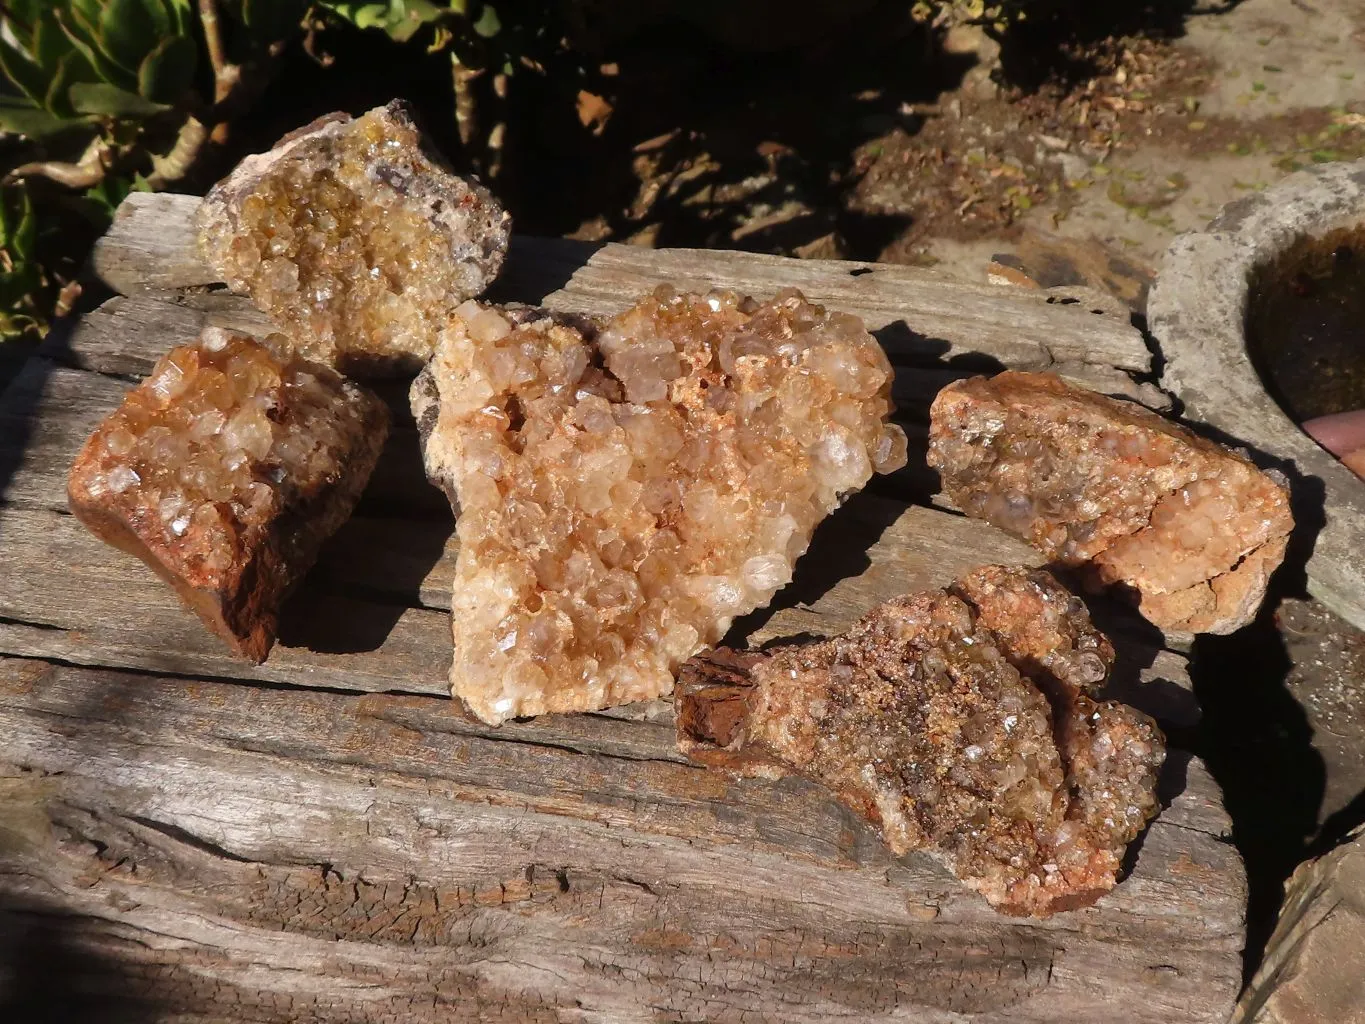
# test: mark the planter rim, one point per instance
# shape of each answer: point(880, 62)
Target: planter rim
point(1196, 311)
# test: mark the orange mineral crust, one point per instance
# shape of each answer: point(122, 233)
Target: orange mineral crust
point(1188, 529)
point(225, 470)
point(961, 722)
point(625, 489)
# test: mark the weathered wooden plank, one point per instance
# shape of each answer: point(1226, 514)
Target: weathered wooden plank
point(368, 621)
point(310, 856)
point(917, 314)
point(49, 410)
point(151, 245)
point(398, 554)
point(127, 334)
point(116, 611)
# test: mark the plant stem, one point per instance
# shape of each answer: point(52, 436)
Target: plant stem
point(168, 169)
point(225, 74)
point(213, 38)
point(466, 103)
point(85, 173)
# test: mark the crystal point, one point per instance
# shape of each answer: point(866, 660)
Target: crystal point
point(225, 470)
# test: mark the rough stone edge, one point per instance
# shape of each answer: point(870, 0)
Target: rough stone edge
point(1197, 311)
point(1309, 902)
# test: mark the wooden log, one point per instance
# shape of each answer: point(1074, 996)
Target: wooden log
point(282, 855)
point(359, 624)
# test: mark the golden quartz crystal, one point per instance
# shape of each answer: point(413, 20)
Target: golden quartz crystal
point(1188, 529)
point(355, 238)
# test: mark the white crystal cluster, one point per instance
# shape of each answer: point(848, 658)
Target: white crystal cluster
point(623, 497)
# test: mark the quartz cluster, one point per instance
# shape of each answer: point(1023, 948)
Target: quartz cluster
point(962, 722)
point(355, 238)
point(225, 470)
point(1187, 528)
point(626, 488)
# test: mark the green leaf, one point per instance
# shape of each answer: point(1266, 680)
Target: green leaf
point(488, 24)
point(23, 74)
point(110, 101)
point(364, 15)
point(16, 28)
point(127, 32)
point(5, 222)
point(87, 12)
point(182, 13)
point(22, 119)
point(160, 17)
point(109, 193)
point(401, 19)
point(20, 241)
point(71, 69)
point(168, 72)
point(18, 227)
point(83, 39)
point(50, 45)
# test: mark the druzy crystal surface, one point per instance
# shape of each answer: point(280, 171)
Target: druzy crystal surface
point(625, 489)
point(355, 238)
point(225, 470)
point(1187, 528)
point(960, 722)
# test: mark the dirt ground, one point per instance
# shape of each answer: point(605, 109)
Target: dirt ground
point(1178, 128)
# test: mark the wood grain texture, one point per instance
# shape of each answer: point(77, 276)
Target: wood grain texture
point(917, 314)
point(322, 857)
point(328, 837)
point(369, 617)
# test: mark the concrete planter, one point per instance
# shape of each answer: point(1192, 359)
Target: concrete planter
point(1197, 311)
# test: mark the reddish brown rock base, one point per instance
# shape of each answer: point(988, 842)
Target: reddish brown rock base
point(224, 471)
point(960, 722)
point(1188, 529)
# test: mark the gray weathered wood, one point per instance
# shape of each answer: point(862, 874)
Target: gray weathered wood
point(392, 563)
point(328, 837)
point(305, 856)
point(916, 313)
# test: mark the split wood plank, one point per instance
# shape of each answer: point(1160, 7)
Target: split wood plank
point(128, 334)
point(367, 621)
point(284, 855)
point(916, 313)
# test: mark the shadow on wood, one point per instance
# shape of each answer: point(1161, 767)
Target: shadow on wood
point(838, 550)
point(51, 972)
point(1257, 743)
